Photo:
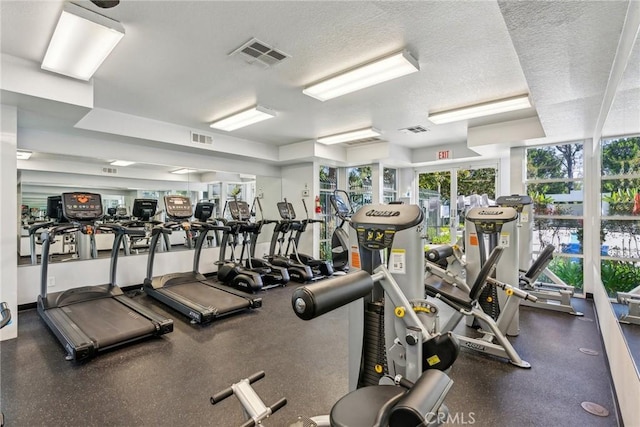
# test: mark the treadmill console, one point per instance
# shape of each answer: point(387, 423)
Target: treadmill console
point(286, 210)
point(178, 207)
point(204, 211)
point(82, 207)
point(239, 210)
point(54, 208)
point(144, 209)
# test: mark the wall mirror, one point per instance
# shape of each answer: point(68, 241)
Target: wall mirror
point(619, 164)
point(120, 184)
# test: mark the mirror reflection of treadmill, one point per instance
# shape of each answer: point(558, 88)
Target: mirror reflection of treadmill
point(191, 293)
point(90, 319)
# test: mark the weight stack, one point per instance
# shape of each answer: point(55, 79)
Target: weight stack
point(489, 301)
point(373, 352)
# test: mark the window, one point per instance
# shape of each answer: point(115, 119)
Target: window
point(328, 183)
point(620, 209)
point(360, 186)
point(389, 185)
point(555, 182)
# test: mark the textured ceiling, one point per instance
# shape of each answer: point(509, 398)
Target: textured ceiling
point(173, 63)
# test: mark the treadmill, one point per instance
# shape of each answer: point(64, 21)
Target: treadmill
point(191, 293)
point(90, 319)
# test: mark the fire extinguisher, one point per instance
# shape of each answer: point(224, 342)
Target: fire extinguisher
point(318, 207)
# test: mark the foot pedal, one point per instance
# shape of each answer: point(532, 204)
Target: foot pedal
point(303, 422)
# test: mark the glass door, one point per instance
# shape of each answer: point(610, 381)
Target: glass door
point(434, 197)
point(445, 196)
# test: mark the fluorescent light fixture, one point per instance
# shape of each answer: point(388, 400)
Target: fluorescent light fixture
point(480, 110)
point(388, 68)
point(122, 163)
point(349, 136)
point(243, 118)
point(81, 41)
point(23, 155)
point(184, 170)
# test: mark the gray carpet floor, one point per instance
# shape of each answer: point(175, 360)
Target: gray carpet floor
point(167, 381)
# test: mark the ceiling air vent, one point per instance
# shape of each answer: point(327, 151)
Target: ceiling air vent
point(200, 138)
point(414, 129)
point(110, 171)
point(255, 51)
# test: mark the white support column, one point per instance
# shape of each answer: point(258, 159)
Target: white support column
point(515, 175)
point(9, 218)
point(376, 183)
point(591, 213)
point(505, 179)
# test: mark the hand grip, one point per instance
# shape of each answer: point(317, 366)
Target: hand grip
point(221, 395)
point(278, 405)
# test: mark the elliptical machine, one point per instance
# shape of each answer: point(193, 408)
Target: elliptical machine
point(340, 238)
point(294, 228)
point(231, 271)
point(277, 256)
point(272, 275)
point(396, 364)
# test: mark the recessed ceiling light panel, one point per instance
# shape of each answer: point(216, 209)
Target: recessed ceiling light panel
point(122, 163)
point(81, 41)
point(184, 171)
point(480, 110)
point(394, 66)
point(244, 118)
point(349, 136)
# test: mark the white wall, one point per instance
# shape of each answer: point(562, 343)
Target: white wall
point(131, 271)
point(626, 378)
point(269, 190)
point(295, 179)
point(8, 215)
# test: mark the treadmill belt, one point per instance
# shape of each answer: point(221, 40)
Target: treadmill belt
point(207, 296)
point(108, 322)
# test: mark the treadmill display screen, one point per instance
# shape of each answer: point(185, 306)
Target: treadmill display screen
point(144, 209)
point(239, 210)
point(286, 210)
point(178, 207)
point(82, 206)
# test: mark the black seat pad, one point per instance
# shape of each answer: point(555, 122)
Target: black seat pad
point(435, 285)
point(360, 407)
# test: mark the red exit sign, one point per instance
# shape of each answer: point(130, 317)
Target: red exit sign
point(444, 154)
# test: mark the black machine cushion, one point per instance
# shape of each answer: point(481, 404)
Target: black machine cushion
point(420, 405)
point(360, 407)
point(435, 285)
point(540, 263)
point(440, 352)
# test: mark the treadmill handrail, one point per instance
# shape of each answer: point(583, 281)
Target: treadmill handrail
point(37, 226)
point(117, 228)
point(62, 228)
